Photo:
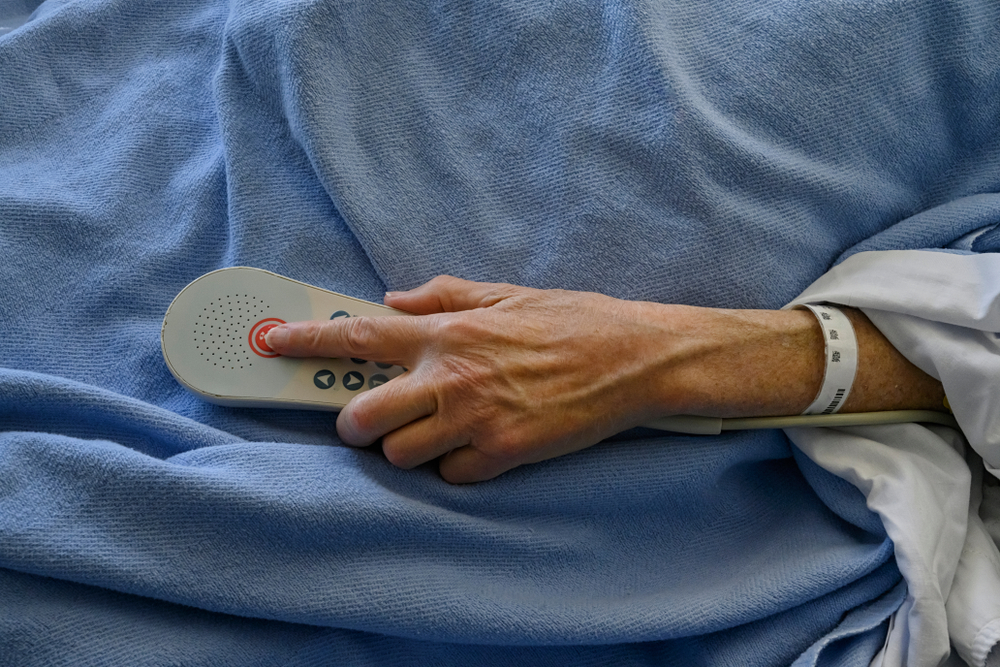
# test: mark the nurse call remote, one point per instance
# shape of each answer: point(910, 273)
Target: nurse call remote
point(213, 341)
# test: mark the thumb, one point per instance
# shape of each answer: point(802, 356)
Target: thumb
point(447, 294)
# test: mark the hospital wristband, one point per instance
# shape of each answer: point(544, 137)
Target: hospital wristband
point(841, 348)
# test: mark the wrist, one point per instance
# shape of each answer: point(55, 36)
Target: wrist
point(742, 363)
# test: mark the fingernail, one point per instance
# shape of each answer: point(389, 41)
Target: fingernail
point(276, 337)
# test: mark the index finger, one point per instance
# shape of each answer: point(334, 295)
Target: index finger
point(391, 340)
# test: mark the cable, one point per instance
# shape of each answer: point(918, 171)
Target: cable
point(693, 425)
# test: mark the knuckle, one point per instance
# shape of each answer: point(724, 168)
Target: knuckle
point(463, 381)
point(462, 331)
point(359, 335)
point(360, 420)
point(397, 454)
point(316, 335)
point(456, 474)
point(356, 424)
point(504, 445)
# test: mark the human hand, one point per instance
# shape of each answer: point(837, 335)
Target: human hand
point(498, 375)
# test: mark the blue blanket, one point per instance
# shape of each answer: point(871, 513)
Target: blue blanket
point(714, 153)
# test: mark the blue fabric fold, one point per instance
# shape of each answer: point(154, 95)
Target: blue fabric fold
point(713, 153)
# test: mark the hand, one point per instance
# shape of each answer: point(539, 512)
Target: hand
point(498, 375)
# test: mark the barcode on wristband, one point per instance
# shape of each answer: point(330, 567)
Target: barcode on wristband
point(837, 398)
point(841, 351)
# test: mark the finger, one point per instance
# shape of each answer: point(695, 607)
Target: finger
point(372, 414)
point(393, 340)
point(420, 442)
point(467, 464)
point(449, 294)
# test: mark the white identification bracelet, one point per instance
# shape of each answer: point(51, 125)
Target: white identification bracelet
point(841, 359)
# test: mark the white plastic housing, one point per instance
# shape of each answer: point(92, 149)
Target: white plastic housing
point(212, 339)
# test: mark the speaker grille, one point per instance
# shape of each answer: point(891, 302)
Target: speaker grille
point(220, 330)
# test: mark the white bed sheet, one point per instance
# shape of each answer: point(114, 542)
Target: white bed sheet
point(935, 489)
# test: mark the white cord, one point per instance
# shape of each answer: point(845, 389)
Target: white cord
point(713, 425)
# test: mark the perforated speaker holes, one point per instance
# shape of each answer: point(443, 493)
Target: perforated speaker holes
point(220, 330)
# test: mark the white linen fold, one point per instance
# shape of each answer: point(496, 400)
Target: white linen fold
point(941, 310)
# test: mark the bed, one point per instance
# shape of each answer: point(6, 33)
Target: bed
point(708, 153)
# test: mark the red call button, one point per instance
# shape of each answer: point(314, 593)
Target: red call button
point(257, 333)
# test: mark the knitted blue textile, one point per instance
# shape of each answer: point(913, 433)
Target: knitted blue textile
point(707, 152)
